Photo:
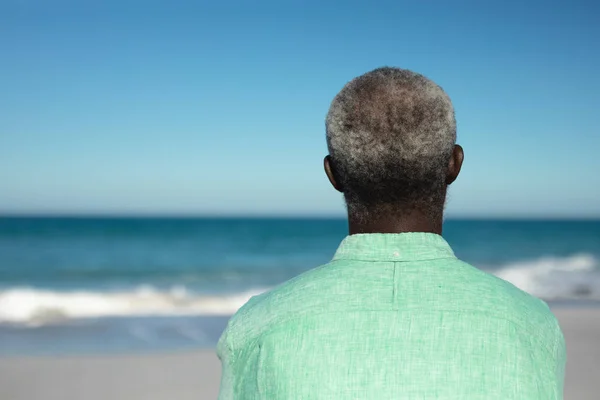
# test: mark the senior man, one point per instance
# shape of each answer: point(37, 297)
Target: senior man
point(394, 315)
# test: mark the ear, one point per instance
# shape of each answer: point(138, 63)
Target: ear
point(329, 171)
point(455, 164)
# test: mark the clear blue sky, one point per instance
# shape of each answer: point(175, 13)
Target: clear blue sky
point(198, 107)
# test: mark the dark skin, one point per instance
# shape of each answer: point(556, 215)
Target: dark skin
point(413, 221)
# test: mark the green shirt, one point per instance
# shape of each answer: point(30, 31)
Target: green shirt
point(393, 316)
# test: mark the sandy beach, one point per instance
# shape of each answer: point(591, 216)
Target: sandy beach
point(195, 375)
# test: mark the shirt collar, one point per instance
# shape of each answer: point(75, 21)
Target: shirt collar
point(412, 246)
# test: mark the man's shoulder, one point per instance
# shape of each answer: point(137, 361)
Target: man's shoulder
point(503, 299)
point(288, 299)
point(529, 313)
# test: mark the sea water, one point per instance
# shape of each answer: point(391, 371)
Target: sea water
point(138, 284)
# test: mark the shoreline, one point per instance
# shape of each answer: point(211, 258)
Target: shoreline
point(195, 374)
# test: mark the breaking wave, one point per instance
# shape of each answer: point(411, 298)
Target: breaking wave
point(38, 307)
point(550, 278)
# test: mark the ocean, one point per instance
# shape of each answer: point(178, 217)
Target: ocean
point(86, 285)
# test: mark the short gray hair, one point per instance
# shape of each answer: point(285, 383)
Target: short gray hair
point(390, 134)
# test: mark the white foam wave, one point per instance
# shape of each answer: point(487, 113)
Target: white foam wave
point(556, 278)
point(37, 307)
point(575, 277)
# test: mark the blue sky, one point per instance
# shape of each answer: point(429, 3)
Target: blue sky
point(204, 108)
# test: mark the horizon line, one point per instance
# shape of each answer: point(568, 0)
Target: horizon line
point(322, 216)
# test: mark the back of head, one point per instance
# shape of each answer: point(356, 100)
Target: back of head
point(391, 134)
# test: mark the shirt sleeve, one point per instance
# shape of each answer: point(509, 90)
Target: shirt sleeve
point(225, 354)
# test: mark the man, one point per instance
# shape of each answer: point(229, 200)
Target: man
point(394, 315)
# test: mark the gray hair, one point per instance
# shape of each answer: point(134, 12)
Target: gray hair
point(390, 134)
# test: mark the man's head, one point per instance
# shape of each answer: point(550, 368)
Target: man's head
point(391, 135)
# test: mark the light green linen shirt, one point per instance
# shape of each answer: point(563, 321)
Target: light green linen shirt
point(393, 316)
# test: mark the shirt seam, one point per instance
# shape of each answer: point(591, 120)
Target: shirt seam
point(393, 260)
point(230, 348)
point(396, 278)
point(259, 369)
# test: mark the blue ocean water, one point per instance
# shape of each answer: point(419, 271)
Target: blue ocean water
point(128, 284)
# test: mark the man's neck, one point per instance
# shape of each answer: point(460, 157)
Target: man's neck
point(413, 222)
